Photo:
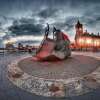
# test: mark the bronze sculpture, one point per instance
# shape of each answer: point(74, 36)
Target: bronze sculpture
point(57, 48)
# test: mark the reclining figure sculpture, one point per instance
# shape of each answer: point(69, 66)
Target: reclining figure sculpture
point(57, 48)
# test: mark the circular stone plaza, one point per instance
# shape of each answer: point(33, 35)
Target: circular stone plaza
point(78, 75)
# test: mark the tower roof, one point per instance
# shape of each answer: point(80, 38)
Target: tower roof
point(78, 25)
point(78, 22)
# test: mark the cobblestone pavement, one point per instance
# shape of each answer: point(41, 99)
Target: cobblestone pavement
point(10, 92)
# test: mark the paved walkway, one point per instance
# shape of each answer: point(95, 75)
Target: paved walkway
point(10, 92)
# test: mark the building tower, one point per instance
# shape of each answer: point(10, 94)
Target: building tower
point(79, 30)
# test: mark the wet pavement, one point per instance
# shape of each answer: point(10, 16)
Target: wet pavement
point(8, 91)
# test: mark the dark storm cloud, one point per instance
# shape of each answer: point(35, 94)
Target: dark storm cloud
point(32, 15)
point(49, 12)
point(91, 18)
point(8, 7)
point(70, 22)
point(25, 27)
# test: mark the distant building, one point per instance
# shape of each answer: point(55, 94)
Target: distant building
point(86, 39)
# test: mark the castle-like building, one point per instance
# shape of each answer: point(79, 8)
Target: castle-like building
point(86, 39)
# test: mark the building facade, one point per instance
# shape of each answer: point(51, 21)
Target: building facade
point(85, 39)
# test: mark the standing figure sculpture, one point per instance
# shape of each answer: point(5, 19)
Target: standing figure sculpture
point(57, 48)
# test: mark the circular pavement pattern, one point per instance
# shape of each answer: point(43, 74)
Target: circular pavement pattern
point(75, 66)
point(74, 76)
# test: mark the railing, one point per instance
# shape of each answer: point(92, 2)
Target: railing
point(11, 50)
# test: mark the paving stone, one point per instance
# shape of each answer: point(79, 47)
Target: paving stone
point(7, 88)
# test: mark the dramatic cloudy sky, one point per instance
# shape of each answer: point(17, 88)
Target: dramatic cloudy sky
point(29, 17)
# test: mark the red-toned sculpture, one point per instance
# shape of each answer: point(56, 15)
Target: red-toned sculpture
point(57, 48)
